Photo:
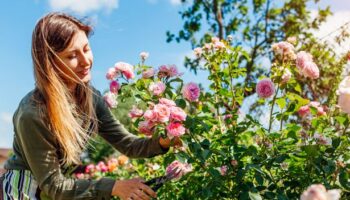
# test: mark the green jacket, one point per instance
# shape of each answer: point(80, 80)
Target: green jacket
point(35, 149)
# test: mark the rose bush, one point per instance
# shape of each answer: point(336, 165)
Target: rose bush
point(229, 155)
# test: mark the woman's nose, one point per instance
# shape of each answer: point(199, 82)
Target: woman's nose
point(84, 59)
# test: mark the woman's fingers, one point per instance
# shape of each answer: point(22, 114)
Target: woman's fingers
point(142, 195)
point(146, 189)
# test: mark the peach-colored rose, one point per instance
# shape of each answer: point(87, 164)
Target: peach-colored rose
point(135, 112)
point(162, 113)
point(177, 114)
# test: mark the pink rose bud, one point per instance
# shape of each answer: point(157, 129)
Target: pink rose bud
point(114, 87)
point(223, 170)
point(144, 55)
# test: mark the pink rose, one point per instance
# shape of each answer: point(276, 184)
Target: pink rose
point(90, 169)
point(148, 73)
point(223, 170)
point(144, 56)
point(304, 111)
point(219, 45)
point(265, 88)
point(306, 65)
point(310, 70)
point(319, 192)
point(283, 48)
point(150, 115)
point(110, 99)
point(162, 113)
point(125, 68)
point(168, 71)
point(102, 167)
point(114, 87)
point(175, 129)
point(191, 91)
point(177, 114)
point(286, 76)
point(234, 163)
point(111, 74)
point(181, 168)
point(302, 58)
point(157, 88)
point(167, 102)
point(207, 47)
point(135, 112)
point(198, 52)
point(79, 175)
point(146, 127)
point(215, 39)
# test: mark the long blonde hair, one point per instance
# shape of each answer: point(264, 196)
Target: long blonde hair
point(70, 116)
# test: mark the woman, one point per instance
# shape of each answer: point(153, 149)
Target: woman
point(54, 122)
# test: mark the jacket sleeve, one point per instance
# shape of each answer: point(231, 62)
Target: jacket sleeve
point(40, 153)
point(115, 133)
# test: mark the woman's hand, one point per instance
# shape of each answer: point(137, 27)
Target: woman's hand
point(167, 142)
point(132, 189)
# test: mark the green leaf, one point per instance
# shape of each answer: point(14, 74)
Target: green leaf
point(254, 196)
point(181, 103)
point(281, 102)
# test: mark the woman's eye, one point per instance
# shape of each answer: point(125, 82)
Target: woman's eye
point(72, 56)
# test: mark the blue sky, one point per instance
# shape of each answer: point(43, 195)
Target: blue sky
point(123, 28)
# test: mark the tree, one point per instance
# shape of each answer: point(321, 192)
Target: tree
point(256, 25)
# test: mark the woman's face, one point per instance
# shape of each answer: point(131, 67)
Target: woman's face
point(78, 57)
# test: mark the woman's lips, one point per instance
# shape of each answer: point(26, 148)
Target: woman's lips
point(84, 72)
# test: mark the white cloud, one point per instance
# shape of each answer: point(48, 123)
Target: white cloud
point(6, 117)
point(84, 6)
point(172, 2)
point(6, 130)
point(175, 2)
point(327, 31)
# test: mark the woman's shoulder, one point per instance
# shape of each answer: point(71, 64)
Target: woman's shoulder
point(29, 107)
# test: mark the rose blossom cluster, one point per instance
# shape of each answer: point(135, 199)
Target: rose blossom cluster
point(103, 167)
point(181, 168)
point(119, 69)
point(215, 44)
point(165, 113)
point(344, 95)
point(284, 49)
point(306, 65)
point(168, 71)
point(305, 110)
point(319, 192)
